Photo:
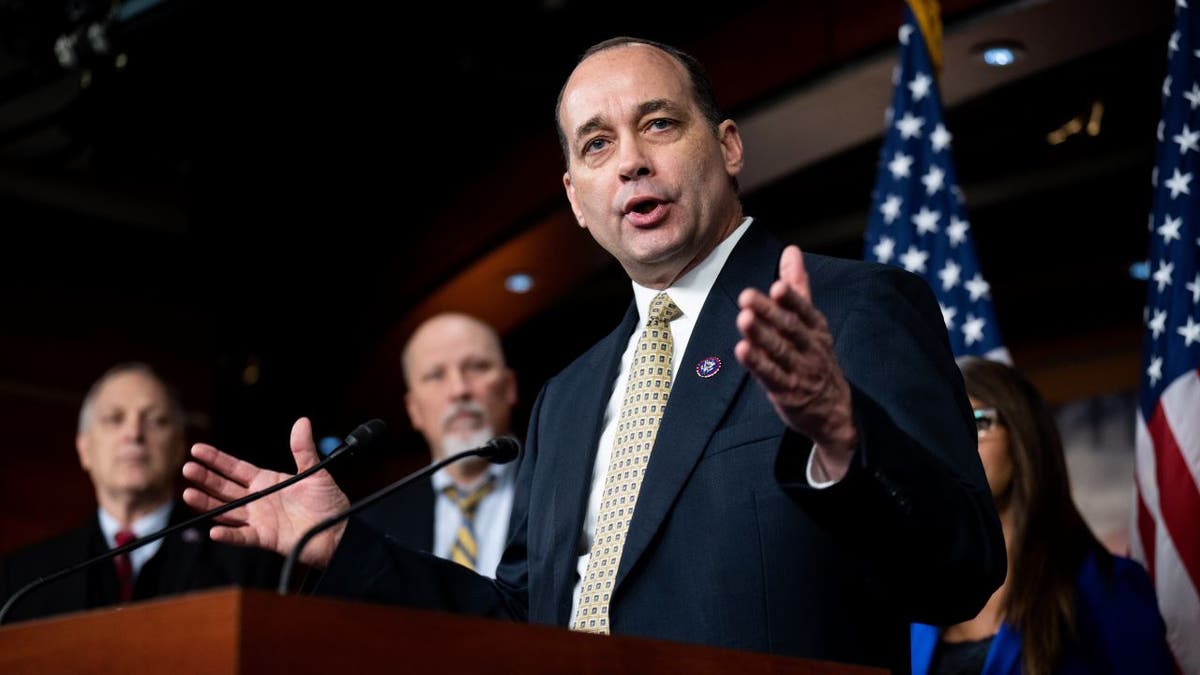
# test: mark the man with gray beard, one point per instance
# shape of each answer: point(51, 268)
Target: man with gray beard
point(460, 395)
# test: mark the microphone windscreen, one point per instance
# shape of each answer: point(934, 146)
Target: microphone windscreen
point(366, 433)
point(501, 450)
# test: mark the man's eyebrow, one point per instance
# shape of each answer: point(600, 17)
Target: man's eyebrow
point(596, 122)
point(645, 108)
point(660, 105)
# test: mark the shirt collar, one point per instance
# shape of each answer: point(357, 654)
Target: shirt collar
point(691, 290)
point(147, 524)
point(441, 478)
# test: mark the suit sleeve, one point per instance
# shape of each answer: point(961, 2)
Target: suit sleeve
point(373, 566)
point(915, 501)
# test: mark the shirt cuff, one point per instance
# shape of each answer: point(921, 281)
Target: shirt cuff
point(808, 472)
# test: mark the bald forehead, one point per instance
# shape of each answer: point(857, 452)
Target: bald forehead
point(446, 328)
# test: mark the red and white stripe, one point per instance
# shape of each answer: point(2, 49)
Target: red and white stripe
point(1165, 534)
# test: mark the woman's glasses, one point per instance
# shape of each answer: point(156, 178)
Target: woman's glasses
point(985, 420)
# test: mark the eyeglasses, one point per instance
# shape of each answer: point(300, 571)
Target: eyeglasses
point(985, 420)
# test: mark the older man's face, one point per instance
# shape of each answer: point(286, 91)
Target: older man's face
point(131, 443)
point(460, 392)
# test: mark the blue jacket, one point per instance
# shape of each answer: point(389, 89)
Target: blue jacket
point(1117, 621)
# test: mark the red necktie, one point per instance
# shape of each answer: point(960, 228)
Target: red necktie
point(124, 566)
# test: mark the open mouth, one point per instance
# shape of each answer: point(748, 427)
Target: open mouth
point(644, 206)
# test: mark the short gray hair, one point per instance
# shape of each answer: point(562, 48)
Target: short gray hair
point(89, 400)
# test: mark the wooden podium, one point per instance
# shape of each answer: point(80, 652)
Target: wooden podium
point(244, 631)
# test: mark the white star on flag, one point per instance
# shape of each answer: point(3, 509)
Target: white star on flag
point(933, 180)
point(890, 208)
point(1159, 323)
point(1190, 332)
point(1155, 370)
point(1193, 96)
point(940, 138)
point(1163, 274)
point(973, 328)
point(885, 249)
point(948, 315)
point(1166, 86)
point(900, 165)
point(914, 260)
point(910, 125)
point(977, 287)
point(957, 231)
point(949, 274)
point(1187, 140)
point(1194, 287)
point(1170, 228)
point(926, 220)
point(1178, 183)
point(919, 86)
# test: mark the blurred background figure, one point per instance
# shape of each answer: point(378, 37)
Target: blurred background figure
point(131, 444)
point(461, 393)
point(1068, 605)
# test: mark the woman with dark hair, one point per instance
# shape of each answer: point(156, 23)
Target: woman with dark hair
point(1067, 605)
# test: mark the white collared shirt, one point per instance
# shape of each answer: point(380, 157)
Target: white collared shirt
point(491, 517)
point(148, 524)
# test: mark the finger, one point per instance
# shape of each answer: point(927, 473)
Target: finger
point(304, 448)
point(792, 301)
point(764, 369)
point(762, 335)
point(792, 272)
point(789, 324)
point(200, 500)
point(227, 465)
point(238, 536)
point(213, 483)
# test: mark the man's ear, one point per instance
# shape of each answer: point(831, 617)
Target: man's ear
point(414, 412)
point(570, 188)
point(82, 449)
point(731, 147)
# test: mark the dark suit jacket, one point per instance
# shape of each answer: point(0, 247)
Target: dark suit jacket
point(406, 517)
point(187, 560)
point(729, 545)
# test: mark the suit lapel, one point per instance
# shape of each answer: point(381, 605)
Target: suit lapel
point(583, 400)
point(170, 570)
point(698, 405)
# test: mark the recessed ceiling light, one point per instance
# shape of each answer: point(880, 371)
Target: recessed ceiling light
point(1000, 54)
point(519, 283)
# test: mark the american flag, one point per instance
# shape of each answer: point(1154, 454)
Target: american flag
point(917, 217)
point(1166, 530)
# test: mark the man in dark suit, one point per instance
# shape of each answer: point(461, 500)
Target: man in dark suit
point(460, 395)
point(813, 484)
point(130, 442)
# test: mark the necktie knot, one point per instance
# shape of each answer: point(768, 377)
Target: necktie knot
point(468, 501)
point(663, 310)
point(124, 537)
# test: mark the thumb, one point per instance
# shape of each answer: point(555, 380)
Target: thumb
point(304, 449)
point(791, 271)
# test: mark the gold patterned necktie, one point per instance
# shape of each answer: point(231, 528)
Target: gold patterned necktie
point(646, 393)
point(465, 550)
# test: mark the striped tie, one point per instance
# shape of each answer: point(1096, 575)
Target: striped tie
point(465, 550)
point(646, 393)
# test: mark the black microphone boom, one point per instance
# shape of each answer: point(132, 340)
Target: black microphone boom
point(499, 450)
point(362, 436)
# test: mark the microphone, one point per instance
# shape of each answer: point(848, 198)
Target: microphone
point(499, 450)
point(362, 436)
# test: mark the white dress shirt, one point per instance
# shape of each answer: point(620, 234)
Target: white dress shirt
point(148, 524)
